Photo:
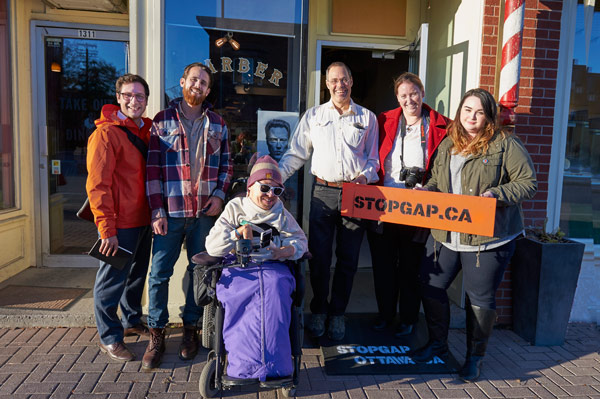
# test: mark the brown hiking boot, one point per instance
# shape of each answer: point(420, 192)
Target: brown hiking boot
point(189, 345)
point(154, 351)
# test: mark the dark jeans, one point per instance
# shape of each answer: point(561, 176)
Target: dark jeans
point(165, 252)
point(124, 288)
point(325, 222)
point(480, 282)
point(396, 259)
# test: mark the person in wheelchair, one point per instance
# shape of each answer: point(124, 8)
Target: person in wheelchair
point(257, 299)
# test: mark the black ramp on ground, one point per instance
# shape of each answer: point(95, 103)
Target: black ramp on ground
point(365, 351)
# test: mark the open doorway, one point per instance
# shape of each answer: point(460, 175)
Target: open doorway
point(372, 72)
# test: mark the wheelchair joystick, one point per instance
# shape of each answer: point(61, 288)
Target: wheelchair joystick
point(243, 248)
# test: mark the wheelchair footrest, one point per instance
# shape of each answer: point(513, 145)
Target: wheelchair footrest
point(235, 382)
point(278, 382)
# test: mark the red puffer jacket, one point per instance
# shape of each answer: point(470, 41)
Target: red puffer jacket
point(388, 128)
point(117, 174)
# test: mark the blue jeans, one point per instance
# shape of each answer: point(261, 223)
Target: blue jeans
point(165, 252)
point(326, 222)
point(124, 288)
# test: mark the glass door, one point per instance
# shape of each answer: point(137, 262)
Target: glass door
point(77, 69)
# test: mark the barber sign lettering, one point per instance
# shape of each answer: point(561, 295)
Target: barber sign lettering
point(452, 212)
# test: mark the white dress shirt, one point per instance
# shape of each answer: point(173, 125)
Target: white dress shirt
point(345, 146)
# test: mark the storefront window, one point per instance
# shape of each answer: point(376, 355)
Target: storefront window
point(257, 58)
point(580, 209)
point(7, 175)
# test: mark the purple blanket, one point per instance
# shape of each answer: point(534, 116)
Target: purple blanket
point(258, 303)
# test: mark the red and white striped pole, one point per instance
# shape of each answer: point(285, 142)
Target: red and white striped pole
point(514, 14)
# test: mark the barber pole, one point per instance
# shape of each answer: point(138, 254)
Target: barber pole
point(511, 60)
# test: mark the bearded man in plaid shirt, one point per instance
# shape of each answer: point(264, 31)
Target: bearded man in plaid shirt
point(188, 174)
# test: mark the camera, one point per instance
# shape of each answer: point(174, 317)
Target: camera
point(411, 176)
point(265, 238)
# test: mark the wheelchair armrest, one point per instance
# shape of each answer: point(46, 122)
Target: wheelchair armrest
point(204, 259)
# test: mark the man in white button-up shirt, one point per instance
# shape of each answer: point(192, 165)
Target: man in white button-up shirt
point(343, 138)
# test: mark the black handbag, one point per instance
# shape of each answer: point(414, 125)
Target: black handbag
point(204, 292)
point(85, 212)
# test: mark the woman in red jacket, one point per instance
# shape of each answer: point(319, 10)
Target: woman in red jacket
point(408, 136)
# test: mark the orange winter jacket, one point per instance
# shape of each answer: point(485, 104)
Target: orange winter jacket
point(117, 174)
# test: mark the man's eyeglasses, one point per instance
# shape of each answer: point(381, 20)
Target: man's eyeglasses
point(265, 188)
point(138, 96)
point(335, 81)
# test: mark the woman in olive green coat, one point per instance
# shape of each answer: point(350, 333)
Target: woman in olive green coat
point(477, 158)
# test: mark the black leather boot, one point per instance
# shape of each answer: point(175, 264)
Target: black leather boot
point(437, 315)
point(189, 344)
point(480, 323)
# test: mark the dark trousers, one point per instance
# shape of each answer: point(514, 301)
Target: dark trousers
point(122, 288)
point(325, 222)
point(396, 258)
point(480, 281)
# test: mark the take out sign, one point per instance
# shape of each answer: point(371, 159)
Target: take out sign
point(452, 212)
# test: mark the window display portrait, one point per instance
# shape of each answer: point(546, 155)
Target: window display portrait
point(275, 129)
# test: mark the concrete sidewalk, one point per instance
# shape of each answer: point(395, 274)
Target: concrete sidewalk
point(66, 363)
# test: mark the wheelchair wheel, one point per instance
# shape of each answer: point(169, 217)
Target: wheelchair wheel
point(288, 392)
point(208, 325)
point(207, 386)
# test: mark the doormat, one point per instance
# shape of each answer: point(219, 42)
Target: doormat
point(365, 351)
point(39, 298)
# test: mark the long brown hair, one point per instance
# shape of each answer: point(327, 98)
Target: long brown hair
point(463, 143)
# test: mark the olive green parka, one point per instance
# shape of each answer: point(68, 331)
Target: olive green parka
point(505, 169)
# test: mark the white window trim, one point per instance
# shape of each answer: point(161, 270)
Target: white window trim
point(561, 113)
point(147, 39)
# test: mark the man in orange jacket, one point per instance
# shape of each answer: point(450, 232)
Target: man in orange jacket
point(117, 195)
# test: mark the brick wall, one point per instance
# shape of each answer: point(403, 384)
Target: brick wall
point(535, 111)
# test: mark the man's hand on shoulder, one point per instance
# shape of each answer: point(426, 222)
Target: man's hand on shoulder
point(159, 226)
point(361, 179)
point(213, 207)
point(109, 246)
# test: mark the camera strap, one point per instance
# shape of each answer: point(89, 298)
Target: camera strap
point(424, 129)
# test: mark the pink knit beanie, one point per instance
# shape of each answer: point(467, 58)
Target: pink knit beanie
point(265, 168)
